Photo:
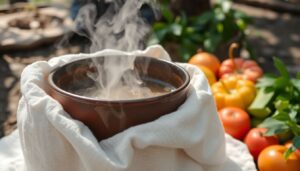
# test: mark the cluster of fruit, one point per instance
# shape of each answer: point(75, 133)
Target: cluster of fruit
point(234, 92)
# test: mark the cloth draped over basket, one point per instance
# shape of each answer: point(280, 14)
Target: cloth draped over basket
point(188, 139)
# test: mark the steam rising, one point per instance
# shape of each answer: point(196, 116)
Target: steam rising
point(120, 27)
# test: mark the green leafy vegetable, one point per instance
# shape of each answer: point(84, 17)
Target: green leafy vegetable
point(285, 104)
point(296, 142)
point(259, 107)
point(281, 68)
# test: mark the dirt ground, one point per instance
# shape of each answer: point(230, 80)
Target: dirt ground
point(11, 66)
point(271, 34)
point(274, 34)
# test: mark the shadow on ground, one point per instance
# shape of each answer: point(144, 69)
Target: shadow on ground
point(274, 34)
point(282, 44)
point(12, 64)
point(7, 81)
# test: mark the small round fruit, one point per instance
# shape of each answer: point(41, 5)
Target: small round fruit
point(272, 159)
point(256, 141)
point(208, 74)
point(236, 121)
point(206, 59)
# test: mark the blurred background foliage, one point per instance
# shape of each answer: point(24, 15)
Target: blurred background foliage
point(186, 26)
point(211, 31)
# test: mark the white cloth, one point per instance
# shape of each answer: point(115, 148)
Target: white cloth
point(189, 139)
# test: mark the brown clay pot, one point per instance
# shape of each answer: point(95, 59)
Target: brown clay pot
point(106, 118)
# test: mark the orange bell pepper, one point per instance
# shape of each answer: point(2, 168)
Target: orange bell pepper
point(233, 92)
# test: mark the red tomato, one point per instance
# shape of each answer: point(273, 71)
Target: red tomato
point(236, 121)
point(272, 159)
point(256, 141)
point(289, 144)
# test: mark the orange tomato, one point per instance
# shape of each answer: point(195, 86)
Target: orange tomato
point(236, 122)
point(206, 59)
point(272, 159)
point(256, 141)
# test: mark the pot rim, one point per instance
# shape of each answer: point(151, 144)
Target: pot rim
point(85, 99)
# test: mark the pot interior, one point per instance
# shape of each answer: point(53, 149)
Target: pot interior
point(156, 74)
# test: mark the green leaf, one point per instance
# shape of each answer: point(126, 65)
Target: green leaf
point(159, 25)
point(296, 141)
point(219, 14)
point(293, 115)
point(288, 152)
point(274, 126)
point(161, 34)
point(184, 19)
point(167, 14)
point(284, 94)
point(281, 104)
point(295, 128)
point(265, 82)
point(281, 68)
point(282, 97)
point(260, 105)
point(220, 27)
point(298, 76)
point(270, 122)
point(241, 24)
point(204, 18)
point(212, 41)
point(281, 82)
point(281, 116)
point(176, 29)
point(197, 38)
point(296, 83)
point(185, 55)
point(270, 89)
point(189, 31)
point(160, 30)
point(275, 131)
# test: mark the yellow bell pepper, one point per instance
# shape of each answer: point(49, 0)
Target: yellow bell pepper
point(234, 92)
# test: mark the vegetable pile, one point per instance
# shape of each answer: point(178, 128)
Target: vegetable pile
point(262, 110)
